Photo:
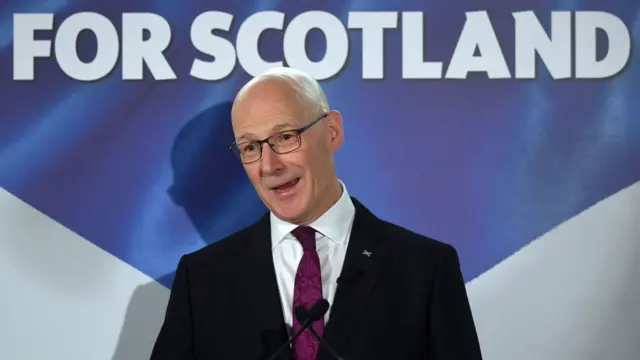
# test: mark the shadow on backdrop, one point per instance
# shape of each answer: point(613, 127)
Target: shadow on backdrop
point(214, 191)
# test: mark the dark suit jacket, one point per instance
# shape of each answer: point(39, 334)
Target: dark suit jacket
point(407, 300)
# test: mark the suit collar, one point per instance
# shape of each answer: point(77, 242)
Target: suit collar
point(366, 255)
point(259, 289)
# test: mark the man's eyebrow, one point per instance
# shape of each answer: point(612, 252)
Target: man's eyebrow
point(245, 136)
point(275, 129)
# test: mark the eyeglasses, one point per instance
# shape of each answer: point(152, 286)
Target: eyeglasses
point(281, 143)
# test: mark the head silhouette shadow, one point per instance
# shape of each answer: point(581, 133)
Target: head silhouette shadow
point(210, 184)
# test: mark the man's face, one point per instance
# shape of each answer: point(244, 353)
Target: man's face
point(292, 185)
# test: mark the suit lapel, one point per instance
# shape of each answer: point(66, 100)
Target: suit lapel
point(259, 288)
point(363, 262)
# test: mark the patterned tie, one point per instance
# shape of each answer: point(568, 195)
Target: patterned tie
point(307, 290)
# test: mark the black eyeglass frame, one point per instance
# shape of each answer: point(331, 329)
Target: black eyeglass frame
point(298, 133)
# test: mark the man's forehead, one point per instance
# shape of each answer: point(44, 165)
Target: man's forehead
point(260, 125)
point(267, 111)
point(267, 107)
point(275, 107)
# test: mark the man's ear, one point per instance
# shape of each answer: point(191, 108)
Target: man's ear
point(336, 133)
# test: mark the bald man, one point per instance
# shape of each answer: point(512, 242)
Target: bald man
point(393, 294)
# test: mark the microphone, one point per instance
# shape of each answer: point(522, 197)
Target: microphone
point(316, 312)
point(303, 315)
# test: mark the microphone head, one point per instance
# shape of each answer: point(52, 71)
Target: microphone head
point(301, 313)
point(318, 310)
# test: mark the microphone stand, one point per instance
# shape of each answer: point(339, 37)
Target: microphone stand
point(302, 313)
point(325, 344)
point(316, 312)
point(291, 338)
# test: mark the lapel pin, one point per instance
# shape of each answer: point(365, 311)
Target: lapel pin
point(368, 253)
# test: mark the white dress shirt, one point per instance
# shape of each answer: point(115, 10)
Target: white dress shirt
point(333, 229)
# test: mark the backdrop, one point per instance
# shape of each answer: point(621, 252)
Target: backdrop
point(510, 130)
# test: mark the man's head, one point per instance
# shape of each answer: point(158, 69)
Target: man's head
point(298, 184)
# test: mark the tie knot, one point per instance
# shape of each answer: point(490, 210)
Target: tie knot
point(306, 236)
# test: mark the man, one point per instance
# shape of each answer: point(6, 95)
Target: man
point(393, 294)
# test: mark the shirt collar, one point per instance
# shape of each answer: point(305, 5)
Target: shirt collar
point(335, 224)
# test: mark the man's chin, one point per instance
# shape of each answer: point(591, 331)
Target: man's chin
point(290, 214)
point(288, 208)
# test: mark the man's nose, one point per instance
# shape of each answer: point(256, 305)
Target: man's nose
point(270, 162)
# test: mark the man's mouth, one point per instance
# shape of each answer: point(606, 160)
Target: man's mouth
point(286, 186)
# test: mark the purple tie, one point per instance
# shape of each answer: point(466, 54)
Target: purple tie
point(307, 290)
